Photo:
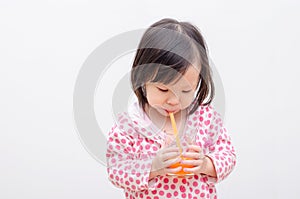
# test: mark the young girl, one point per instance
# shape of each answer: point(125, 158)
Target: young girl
point(170, 75)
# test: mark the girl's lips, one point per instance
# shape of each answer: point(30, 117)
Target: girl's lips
point(168, 111)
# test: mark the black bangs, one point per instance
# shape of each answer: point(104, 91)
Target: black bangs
point(170, 67)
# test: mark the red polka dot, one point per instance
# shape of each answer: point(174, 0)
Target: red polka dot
point(207, 122)
point(123, 141)
point(166, 187)
point(175, 193)
point(182, 188)
point(161, 193)
point(201, 119)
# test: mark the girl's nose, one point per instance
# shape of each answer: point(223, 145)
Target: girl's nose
point(173, 99)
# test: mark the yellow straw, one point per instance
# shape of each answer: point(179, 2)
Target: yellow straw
point(175, 132)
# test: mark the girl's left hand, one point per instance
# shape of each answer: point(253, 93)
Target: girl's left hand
point(196, 158)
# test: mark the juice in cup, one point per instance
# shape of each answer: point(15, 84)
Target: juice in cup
point(181, 172)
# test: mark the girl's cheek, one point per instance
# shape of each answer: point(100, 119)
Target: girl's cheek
point(186, 102)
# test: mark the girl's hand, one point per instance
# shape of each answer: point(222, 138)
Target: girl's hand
point(163, 160)
point(196, 158)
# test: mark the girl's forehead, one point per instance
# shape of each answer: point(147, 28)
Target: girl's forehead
point(190, 77)
point(188, 80)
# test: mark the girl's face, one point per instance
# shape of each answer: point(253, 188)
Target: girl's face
point(173, 97)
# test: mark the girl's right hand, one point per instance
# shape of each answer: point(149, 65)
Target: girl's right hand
point(163, 160)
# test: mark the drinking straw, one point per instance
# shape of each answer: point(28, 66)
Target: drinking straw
point(173, 122)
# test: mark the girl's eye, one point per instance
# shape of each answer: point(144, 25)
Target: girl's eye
point(187, 91)
point(162, 90)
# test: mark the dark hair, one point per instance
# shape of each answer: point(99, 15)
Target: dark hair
point(166, 50)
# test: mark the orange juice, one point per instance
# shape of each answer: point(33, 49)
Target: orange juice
point(181, 172)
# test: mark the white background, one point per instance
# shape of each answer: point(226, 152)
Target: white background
point(254, 44)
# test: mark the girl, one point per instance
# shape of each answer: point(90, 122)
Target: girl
point(170, 75)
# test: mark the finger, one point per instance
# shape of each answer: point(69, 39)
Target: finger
point(192, 162)
point(195, 148)
point(193, 155)
point(171, 155)
point(170, 149)
point(172, 161)
point(173, 170)
point(194, 170)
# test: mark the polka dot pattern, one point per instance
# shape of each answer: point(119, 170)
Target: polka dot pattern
point(131, 148)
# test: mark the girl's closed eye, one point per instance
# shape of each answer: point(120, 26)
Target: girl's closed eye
point(162, 89)
point(187, 91)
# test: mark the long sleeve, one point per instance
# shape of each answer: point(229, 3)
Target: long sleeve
point(218, 142)
point(127, 167)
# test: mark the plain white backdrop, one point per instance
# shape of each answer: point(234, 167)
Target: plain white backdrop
point(254, 44)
